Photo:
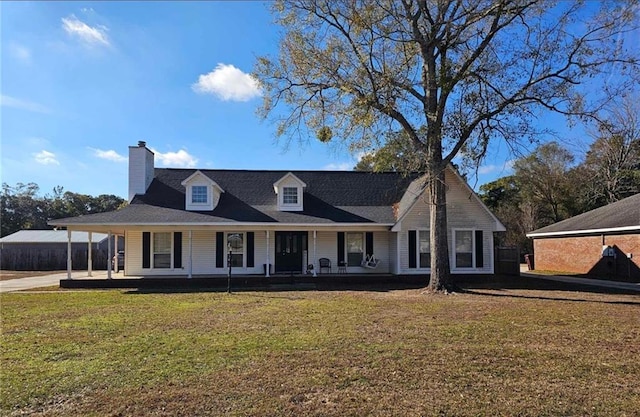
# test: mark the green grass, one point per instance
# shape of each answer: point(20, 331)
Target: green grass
point(494, 352)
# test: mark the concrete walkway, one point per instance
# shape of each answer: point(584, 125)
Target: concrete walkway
point(629, 286)
point(19, 284)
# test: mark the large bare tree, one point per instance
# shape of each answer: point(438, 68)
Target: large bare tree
point(452, 74)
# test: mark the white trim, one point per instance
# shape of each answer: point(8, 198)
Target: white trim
point(585, 232)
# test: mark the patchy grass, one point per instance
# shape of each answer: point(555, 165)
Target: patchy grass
point(511, 352)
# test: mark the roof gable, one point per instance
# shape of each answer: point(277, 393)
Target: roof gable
point(199, 176)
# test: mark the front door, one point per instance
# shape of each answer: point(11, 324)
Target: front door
point(290, 250)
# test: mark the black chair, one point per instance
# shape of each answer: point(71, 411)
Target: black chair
point(324, 263)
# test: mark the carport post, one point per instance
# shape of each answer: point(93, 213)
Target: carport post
point(68, 254)
point(268, 258)
point(190, 255)
point(115, 264)
point(315, 255)
point(89, 260)
point(109, 255)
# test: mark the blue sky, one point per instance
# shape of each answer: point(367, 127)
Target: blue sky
point(82, 81)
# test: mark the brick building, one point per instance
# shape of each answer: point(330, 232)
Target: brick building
point(603, 243)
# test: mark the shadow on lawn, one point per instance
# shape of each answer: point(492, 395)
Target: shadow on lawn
point(499, 283)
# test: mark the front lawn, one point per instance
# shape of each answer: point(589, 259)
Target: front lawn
point(504, 352)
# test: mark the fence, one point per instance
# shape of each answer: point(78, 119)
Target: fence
point(47, 259)
point(507, 260)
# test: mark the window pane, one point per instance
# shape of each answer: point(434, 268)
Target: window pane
point(355, 248)
point(464, 248)
point(162, 250)
point(162, 260)
point(424, 248)
point(289, 195)
point(464, 260)
point(425, 260)
point(355, 242)
point(236, 260)
point(236, 242)
point(463, 241)
point(199, 194)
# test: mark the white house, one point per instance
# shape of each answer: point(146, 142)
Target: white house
point(182, 222)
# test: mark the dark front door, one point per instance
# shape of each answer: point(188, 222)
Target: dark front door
point(290, 249)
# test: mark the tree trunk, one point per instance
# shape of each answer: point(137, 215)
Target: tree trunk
point(440, 270)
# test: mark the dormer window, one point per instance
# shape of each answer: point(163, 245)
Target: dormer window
point(201, 192)
point(289, 192)
point(289, 195)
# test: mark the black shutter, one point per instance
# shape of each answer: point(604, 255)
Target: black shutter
point(369, 243)
point(412, 249)
point(219, 250)
point(146, 250)
point(250, 261)
point(177, 249)
point(340, 247)
point(479, 250)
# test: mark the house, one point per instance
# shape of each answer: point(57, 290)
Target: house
point(190, 222)
point(604, 242)
point(46, 250)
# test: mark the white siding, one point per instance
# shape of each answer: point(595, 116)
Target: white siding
point(464, 211)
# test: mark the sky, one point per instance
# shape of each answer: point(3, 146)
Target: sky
point(83, 81)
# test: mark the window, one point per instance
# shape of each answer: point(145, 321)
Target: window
point(236, 244)
point(289, 195)
point(355, 249)
point(162, 250)
point(463, 241)
point(199, 194)
point(424, 249)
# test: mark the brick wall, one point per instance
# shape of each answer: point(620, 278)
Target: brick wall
point(584, 255)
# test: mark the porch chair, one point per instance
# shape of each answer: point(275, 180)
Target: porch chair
point(324, 263)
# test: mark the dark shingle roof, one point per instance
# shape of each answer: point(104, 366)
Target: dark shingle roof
point(330, 197)
point(623, 214)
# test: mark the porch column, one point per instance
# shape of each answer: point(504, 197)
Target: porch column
point(190, 255)
point(109, 255)
point(115, 264)
point(89, 257)
point(268, 260)
point(68, 254)
point(315, 255)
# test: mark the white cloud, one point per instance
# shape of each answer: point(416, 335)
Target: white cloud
point(228, 83)
point(343, 166)
point(16, 103)
point(180, 159)
point(20, 52)
point(87, 34)
point(109, 155)
point(46, 158)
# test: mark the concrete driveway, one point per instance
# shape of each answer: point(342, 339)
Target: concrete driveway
point(28, 283)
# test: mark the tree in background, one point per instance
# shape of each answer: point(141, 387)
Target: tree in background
point(452, 75)
point(22, 207)
point(544, 181)
point(612, 164)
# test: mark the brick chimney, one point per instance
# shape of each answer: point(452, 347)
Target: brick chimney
point(140, 169)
